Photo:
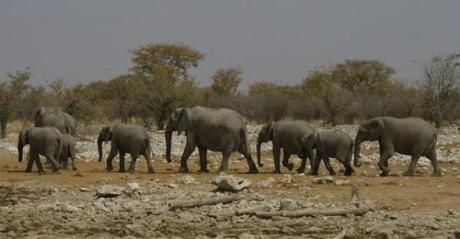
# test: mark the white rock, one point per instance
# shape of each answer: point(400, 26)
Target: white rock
point(131, 187)
point(287, 179)
point(323, 180)
point(342, 182)
point(230, 183)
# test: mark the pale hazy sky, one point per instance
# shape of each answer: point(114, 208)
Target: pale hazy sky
point(274, 40)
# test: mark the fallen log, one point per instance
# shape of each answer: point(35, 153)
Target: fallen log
point(309, 212)
point(179, 204)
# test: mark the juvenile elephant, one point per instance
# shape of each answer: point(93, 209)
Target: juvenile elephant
point(409, 136)
point(44, 141)
point(221, 130)
point(132, 139)
point(68, 151)
point(54, 117)
point(333, 144)
point(294, 137)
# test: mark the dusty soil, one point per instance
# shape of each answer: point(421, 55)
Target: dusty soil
point(63, 204)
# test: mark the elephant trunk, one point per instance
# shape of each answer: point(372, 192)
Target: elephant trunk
point(259, 160)
point(99, 147)
point(168, 138)
point(20, 146)
point(357, 150)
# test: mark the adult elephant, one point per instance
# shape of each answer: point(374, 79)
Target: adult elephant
point(409, 136)
point(294, 137)
point(131, 139)
point(221, 130)
point(54, 117)
point(44, 141)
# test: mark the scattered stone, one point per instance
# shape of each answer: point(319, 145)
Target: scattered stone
point(187, 179)
point(287, 179)
point(342, 182)
point(323, 180)
point(84, 190)
point(107, 191)
point(266, 183)
point(230, 183)
point(131, 187)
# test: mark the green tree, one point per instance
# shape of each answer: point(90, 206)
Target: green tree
point(361, 75)
point(321, 83)
point(226, 82)
point(12, 93)
point(163, 70)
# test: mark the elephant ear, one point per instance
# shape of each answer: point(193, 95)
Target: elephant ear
point(376, 124)
point(183, 120)
point(24, 136)
point(270, 127)
point(39, 114)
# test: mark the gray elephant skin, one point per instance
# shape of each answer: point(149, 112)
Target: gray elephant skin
point(294, 137)
point(45, 141)
point(408, 136)
point(67, 151)
point(54, 117)
point(333, 144)
point(126, 139)
point(221, 130)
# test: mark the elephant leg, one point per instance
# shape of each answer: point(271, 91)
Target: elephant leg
point(53, 161)
point(64, 162)
point(347, 164)
point(316, 163)
point(224, 164)
point(203, 160)
point(122, 163)
point(383, 164)
point(185, 155)
point(112, 154)
point(148, 158)
point(39, 165)
point(286, 162)
point(74, 167)
point(132, 165)
point(30, 163)
point(276, 158)
point(252, 166)
point(434, 162)
point(327, 163)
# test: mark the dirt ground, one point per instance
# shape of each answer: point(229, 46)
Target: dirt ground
point(405, 196)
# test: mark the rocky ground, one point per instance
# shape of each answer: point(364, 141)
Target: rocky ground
point(93, 203)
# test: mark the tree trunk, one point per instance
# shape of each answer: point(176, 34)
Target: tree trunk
point(3, 122)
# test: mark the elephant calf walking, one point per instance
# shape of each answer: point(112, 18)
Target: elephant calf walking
point(132, 139)
point(68, 151)
point(333, 144)
point(294, 137)
point(44, 141)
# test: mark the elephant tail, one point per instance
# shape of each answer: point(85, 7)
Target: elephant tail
point(244, 146)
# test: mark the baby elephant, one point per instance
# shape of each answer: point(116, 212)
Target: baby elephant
point(333, 144)
point(44, 141)
point(131, 139)
point(68, 151)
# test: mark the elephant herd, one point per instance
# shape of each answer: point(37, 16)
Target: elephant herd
point(224, 130)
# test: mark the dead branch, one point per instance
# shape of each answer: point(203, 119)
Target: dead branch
point(309, 212)
point(202, 202)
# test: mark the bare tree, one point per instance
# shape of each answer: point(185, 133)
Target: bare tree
point(440, 86)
